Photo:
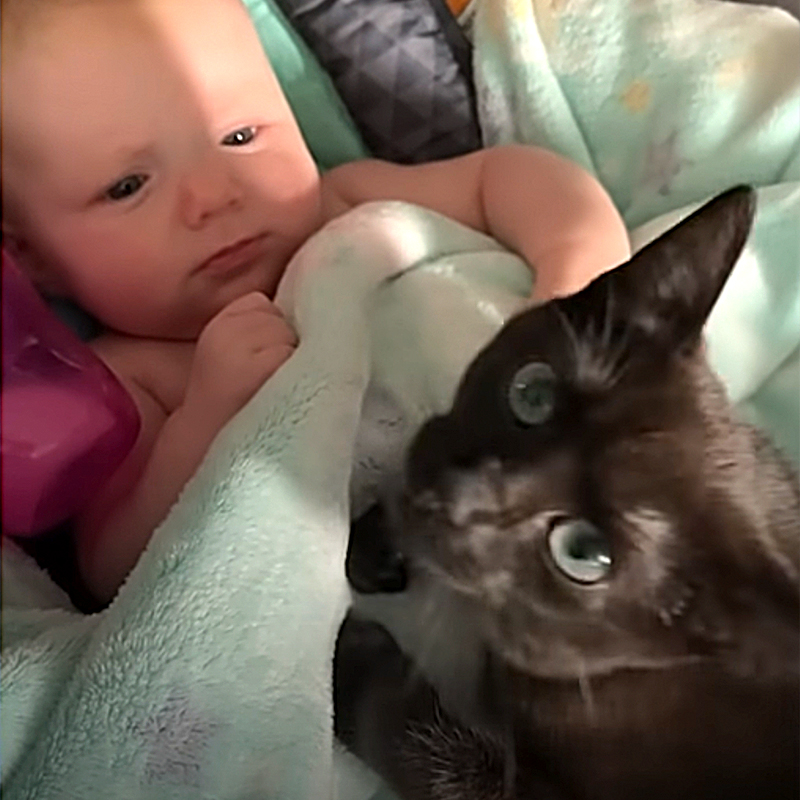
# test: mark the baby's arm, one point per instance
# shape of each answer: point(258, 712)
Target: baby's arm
point(550, 211)
point(115, 527)
point(237, 351)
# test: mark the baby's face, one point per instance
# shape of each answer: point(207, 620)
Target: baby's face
point(140, 139)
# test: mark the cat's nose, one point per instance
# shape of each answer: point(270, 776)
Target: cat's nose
point(463, 497)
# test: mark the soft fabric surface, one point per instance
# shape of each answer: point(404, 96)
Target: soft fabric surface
point(402, 68)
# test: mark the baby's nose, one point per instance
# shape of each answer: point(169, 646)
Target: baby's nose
point(209, 190)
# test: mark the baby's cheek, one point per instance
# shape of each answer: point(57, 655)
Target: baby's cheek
point(127, 289)
point(289, 184)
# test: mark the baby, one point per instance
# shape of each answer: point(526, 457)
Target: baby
point(153, 172)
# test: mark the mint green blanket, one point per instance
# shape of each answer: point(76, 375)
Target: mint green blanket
point(208, 677)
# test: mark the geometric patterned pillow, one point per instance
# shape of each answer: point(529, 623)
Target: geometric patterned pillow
point(403, 70)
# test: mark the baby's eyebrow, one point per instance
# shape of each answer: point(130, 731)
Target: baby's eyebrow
point(129, 152)
point(133, 152)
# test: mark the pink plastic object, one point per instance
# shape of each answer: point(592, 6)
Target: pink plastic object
point(67, 423)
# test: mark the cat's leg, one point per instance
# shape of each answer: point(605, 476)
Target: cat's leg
point(373, 564)
point(387, 714)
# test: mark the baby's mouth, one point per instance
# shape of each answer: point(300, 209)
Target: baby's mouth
point(234, 257)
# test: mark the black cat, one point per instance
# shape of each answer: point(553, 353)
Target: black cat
point(628, 550)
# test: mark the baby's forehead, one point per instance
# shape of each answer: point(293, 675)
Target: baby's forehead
point(184, 30)
point(114, 74)
point(87, 51)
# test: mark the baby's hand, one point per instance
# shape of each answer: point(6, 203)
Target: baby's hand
point(236, 352)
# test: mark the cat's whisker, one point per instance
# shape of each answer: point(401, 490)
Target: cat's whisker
point(586, 694)
point(568, 328)
point(598, 361)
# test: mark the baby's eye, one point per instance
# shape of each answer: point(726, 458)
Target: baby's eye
point(126, 187)
point(240, 136)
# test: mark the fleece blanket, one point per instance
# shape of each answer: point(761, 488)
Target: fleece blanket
point(209, 675)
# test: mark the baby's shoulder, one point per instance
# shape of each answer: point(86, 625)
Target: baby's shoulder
point(159, 367)
point(334, 203)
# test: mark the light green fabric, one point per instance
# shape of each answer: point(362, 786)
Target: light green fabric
point(326, 124)
point(667, 101)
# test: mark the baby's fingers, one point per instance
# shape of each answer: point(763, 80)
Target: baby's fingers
point(253, 302)
point(267, 330)
point(272, 357)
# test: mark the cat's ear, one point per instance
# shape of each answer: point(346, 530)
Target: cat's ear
point(665, 293)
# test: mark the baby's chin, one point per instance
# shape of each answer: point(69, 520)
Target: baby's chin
point(263, 277)
point(203, 297)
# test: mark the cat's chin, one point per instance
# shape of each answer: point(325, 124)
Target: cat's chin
point(569, 664)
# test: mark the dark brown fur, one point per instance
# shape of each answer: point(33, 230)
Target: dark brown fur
point(676, 676)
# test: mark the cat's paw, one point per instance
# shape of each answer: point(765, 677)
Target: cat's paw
point(373, 565)
point(368, 668)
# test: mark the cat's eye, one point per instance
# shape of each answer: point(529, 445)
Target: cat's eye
point(125, 187)
point(241, 136)
point(580, 550)
point(531, 393)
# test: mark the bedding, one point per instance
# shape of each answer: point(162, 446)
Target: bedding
point(209, 675)
point(402, 67)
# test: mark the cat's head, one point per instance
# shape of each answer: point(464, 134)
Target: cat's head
point(590, 488)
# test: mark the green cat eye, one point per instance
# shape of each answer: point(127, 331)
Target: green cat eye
point(531, 393)
point(580, 550)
